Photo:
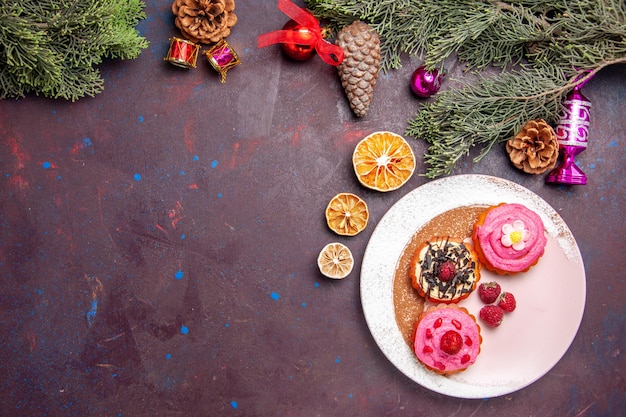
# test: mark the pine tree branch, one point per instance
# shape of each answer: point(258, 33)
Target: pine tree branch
point(554, 44)
point(484, 114)
point(577, 80)
point(53, 47)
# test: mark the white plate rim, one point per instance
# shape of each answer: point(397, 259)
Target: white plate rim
point(376, 280)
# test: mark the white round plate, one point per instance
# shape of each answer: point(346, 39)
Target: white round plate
point(550, 296)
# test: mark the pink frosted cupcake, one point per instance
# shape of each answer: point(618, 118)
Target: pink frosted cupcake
point(446, 339)
point(509, 238)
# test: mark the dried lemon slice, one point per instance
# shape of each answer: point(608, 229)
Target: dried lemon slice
point(347, 214)
point(383, 161)
point(335, 261)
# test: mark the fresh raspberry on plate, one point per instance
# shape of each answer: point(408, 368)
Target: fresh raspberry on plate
point(506, 301)
point(489, 292)
point(492, 315)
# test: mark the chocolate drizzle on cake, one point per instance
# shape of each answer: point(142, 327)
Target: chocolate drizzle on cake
point(438, 253)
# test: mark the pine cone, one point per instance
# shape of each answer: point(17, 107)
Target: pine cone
point(204, 21)
point(359, 69)
point(535, 148)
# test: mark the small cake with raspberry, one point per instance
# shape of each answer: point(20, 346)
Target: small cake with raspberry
point(446, 339)
point(509, 238)
point(444, 270)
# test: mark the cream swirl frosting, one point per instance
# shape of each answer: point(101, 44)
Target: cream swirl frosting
point(511, 237)
point(447, 340)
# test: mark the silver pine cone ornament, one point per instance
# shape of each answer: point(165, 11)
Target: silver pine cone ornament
point(360, 66)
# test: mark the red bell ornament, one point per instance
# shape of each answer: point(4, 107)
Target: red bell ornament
point(293, 49)
point(297, 39)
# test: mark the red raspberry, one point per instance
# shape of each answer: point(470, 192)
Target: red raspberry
point(492, 315)
point(489, 292)
point(451, 342)
point(507, 302)
point(446, 271)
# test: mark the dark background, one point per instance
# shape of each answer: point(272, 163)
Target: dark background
point(159, 242)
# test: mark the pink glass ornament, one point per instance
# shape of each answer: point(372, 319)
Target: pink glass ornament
point(425, 83)
point(572, 132)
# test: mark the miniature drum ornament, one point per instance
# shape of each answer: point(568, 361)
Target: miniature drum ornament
point(182, 53)
point(222, 58)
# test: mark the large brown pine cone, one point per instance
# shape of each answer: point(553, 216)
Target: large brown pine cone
point(535, 148)
point(204, 21)
point(359, 69)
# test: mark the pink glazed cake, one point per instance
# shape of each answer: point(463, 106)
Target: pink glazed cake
point(509, 238)
point(446, 339)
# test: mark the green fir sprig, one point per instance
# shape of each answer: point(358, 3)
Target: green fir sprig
point(541, 49)
point(54, 47)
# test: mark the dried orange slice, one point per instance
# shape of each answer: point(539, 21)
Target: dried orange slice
point(383, 161)
point(335, 261)
point(347, 214)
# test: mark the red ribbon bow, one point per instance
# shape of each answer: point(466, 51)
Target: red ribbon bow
point(330, 53)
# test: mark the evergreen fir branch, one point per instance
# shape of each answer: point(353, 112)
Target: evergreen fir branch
point(482, 113)
point(487, 32)
point(75, 82)
point(488, 111)
point(549, 42)
point(53, 47)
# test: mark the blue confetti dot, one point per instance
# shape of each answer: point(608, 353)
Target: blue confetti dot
point(316, 285)
point(195, 157)
point(182, 172)
point(183, 236)
point(168, 356)
point(338, 359)
point(275, 295)
point(303, 304)
point(184, 329)
point(234, 404)
point(219, 195)
point(87, 142)
point(137, 177)
point(179, 274)
point(214, 164)
point(46, 165)
point(227, 325)
point(140, 118)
